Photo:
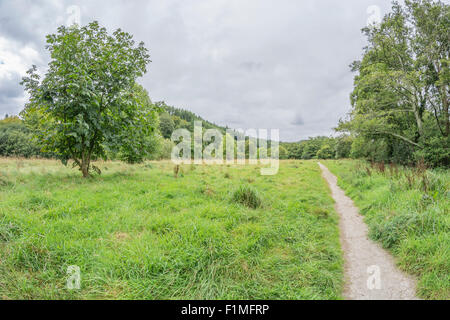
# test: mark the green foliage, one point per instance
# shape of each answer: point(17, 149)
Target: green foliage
point(16, 140)
point(182, 119)
point(140, 141)
point(310, 149)
point(436, 152)
point(400, 97)
point(325, 152)
point(163, 151)
point(374, 150)
point(247, 196)
point(283, 153)
point(295, 150)
point(318, 147)
point(87, 103)
point(166, 125)
point(313, 146)
point(343, 147)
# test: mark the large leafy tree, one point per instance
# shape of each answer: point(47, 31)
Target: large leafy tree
point(402, 84)
point(88, 101)
point(141, 139)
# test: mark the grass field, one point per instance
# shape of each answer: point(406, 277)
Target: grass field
point(138, 232)
point(409, 213)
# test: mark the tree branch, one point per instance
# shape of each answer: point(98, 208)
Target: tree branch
point(401, 137)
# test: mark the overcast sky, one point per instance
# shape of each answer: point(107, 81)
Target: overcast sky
point(242, 63)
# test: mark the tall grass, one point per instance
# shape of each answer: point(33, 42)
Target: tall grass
point(139, 232)
point(407, 210)
point(247, 196)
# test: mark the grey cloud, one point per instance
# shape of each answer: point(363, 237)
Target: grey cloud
point(10, 88)
point(251, 66)
point(298, 121)
point(11, 95)
point(28, 21)
point(245, 64)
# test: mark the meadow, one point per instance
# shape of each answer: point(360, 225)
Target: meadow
point(139, 232)
point(407, 211)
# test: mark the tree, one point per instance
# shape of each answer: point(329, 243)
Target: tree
point(166, 125)
point(140, 140)
point(325, 152)
point(312, 146)
point(282, 153)
point(402, 83)
point(343, 146)
point(295, 150)
point(87, 101)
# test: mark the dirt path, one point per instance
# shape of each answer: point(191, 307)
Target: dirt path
point(370, 271)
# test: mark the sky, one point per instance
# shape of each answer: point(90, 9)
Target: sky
point(260, 64)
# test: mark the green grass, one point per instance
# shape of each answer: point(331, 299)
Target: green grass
point(405, 217)
point(137, 232)
point(247, 196)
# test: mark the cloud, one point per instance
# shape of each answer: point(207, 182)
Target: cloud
point(298, 121)
point(245, 64)
point(15, 59)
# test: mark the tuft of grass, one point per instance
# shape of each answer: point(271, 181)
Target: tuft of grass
point(4, 181)
point(8, 231)
point(247, 196)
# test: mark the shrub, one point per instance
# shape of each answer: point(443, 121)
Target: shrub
point(16, 140)
point(247, 196)
point(436, 152)
point(165, 150)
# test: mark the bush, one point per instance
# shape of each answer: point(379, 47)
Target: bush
point(165, 150)
point(18, 144)
point(436, 153)
point(16, 140)
point(247, 196)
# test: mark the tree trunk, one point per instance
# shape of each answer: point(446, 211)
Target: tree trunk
point(85, 168)
point(85, 161)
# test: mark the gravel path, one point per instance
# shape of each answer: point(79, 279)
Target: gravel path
point(370, 271)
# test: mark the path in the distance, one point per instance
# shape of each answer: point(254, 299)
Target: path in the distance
point(370, 271)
